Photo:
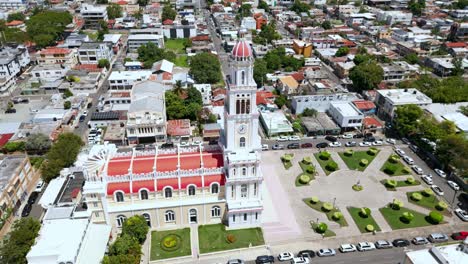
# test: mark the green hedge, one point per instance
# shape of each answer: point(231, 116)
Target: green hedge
point(324, 155)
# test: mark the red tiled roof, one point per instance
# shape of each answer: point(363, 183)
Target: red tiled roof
point(298, 76)
point(14, 23)
point(53, 50)
point(362, 104)
point(264, 97)
point(455, 44)
point(168, 22)
point(146, 184)
point(122, 2)
point(201, 38)
point(118, 186)
point(88, 67)
point(371, 122)
point(4, 138)
point(178, 127)
point(219, 91)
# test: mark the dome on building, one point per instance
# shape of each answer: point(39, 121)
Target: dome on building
point(242, 50)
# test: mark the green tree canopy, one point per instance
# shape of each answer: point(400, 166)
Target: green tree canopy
point(406, 119)
point(447, 90)
point(19, 240)
point(150, 53)
point(46, 27)
point(142, 2)
point(267, 34)
point(342, 51)
point(461, 4)
point(260, 71)
point(453, 150)
point(300, 7)
point(168, 13)
point(412, 58)
point(205, 68)
point(38, 142)
point(245, 10)
point(137, 227)
point(263, 5)
point(16, 16)
point(366, 76)
point(178, 108)
point(114, 11)
point(416, 7)
point(104, 63)
point(326, 25)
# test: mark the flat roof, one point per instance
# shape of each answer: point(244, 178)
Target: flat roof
point(94, 244)
point(276, 121)
point(8, 167)
point(321, 121)
point(346, 108)
point(460, 120)
point(145, 37)
point(52, 191)
point(405, 96)
point(436, 255)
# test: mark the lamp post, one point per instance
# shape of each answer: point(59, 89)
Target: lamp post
point(453, 199)
point(334, 200)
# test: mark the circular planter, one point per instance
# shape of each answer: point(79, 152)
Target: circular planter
point(310, 169)
point(393, 159)
point(331, 166)
point(441, 206)
point(321, 228)
point(410, 180)
point(307, 160)
point(372, 151)
point(337, 216)
point(428, 192)
point(416, 196)
point(349, 152)
point(407, 217)
point(357, 188)
point(436, 217)
point(304, 179)
point(327, 207)
point(171, 242)
point(364, 162)
point(325, 155)
point(314, 199)
point(390, 183)
point(370, 228)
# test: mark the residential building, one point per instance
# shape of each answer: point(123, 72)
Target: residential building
point(346, 115)
point(459, 13)
point(288, 85)
point(7, 85)
point(320, 125)
point(92, 15)
point(388, 100)
point(249, 23)
point(74, 40)
point(180, 31)
point(205, 90)
point(13, 4)
point(275, 123)
point(319, 102)
point(146, 117)
point(366, 107)
point(452, 253)
point(302, 48)
point(178, 130)
point(394, 17)
point(182, 4)
point(393, 73)
point(185, 185)
point(92, 52)
point(48, 72)
point(17, 181)
point(443, 66)
point(13, 60)
point(54, 55)
point(135, 41)
point(124, 80)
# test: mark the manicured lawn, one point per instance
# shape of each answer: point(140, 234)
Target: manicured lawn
point(318, 207)
point(304, 171)
point(362, 222)
point(213, 238)
point(328, 233)
point(353, 162)
point(428, 202)
point(402, 183)
point(393, 218)
point(156, 239)
point(399, 168)
point(287, 164)
point(175, 45)
point(181, 61)
point(323, 163)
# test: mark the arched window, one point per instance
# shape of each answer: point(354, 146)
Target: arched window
point(237, 106)
point(234, 172)
point(242, 142)
point(244, 190)
point(119, 196)
point(244, 171)
point(169, 216)
point(215, 211)
point(253, 170)
point(120, 220)
point(214, 188)
point(191, 190)
point(147, 219)
point(167, 192)
point(143, 194)
point(242, 111)
point(243, 77)
point(247, 106)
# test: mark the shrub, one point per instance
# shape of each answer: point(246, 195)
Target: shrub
point(230, 238)
point(321, 228)
point(370, 228)
point(306, 160)
point(364, 213)
point(390, 183)
point(287, 157)
point(410, 180)
point(310, 169)
point(337, 216)
point(314, 199)
point(348, 152)
point(324, 155)
point(331, 166)
point(406, 170)
point(393, 159)
point(397, 204)
point(372, 151)
point(390, 169)
point(407, 217)
point(304, 179)
point(427, 192)
point(364, 162)
point(358, 188)
point(435, 217)
point(416, 196)
point(327, 207)
point(441, 206)
point(170, 242)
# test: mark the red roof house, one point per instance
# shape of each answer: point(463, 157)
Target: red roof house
point(178, 127)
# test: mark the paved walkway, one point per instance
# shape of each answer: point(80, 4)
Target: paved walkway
point(194, 241)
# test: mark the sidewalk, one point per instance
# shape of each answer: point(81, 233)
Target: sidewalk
point(194, 241)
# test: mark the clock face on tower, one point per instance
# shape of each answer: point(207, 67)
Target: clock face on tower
point(242, 129)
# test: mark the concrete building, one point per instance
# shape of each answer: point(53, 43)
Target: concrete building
point(124, 80)
point(92, 15)
point(48, 72)
point(393, 17)
point(302, 48)
point(13, 60)
point(135, 41)
point(92, 52)
point(13, 4)
point(180, 31)
point(394, 73)
point(320, 125)
point(319, 102)
point(205, 90)
point(249, 23)
point(346, 115)
point(388, 100)
point(146, 117)
point(275, 123)
point(54, 55)
point(449, 254)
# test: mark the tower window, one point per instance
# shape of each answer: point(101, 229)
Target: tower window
point(243, 77)
point(244, 190)
point(242, 142)
point(247, 106)
point(238, 107)
point(244, 171)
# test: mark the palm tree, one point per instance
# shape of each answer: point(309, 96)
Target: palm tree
point(178, 90)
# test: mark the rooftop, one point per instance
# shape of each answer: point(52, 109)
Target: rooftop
point(8, 167)
point(451, 254)
point(179, 127)
point(405, 96)
point(346, 108)
point(321, 122)
point(276, 122)
point(145, 37)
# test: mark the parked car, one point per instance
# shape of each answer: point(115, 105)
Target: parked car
point(365, 246)
point(264, 259)
point(405, 141)
point(10, 111)
point(438, 238)
point(437, 190)
point(335, 144)
point(382, 244)
point(26, 210)
point(377, 143)
point(285, 256)
point(322, 145)
point(391, 141)
point(462, 214)
point(420, 241)
point(306, 253)
point(408, 160)
point(369, 139)
point(414, 148)
point(307, 145)
point(326, 252)
point(441, 173)
point(417, 169)
point(462, 235)
point(350, 144)
point(347, 136)
point(427, 179)
point(344, 248)
point(277, 147)
point(294, 138)
point(265, 147)
point(33, 197)
point(235, 261)
point(282, 139)
point(359, 135)
point(364, 144)
point(300, 260)
point(331, 138)
point(400, 152)
point(293, 146)
point(400, 242)
point(453, 185)
point(39, 186)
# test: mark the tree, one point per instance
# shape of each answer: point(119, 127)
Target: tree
point(142, 2)
point(125, 245)
point(104, 63)
point(447, 90)
point(366, 76)
point(178, 108)
point(412, 58)
point(16, 16)
point(19, 241)
point(361, 58)
point(342, 51)
point(114, 11)
point(300, 7)
point(406, 119)
point(13, 146)
point(137, 227)
point(259, 72)
point(458, 69)
point(102, 2)
point(168, 13)
point(453, 150)
point(38, 143)
point(416, 7)
point(281, 100)
point(102, 30)
point(66, 105)
point(46, 27)
point(150, 53)
point(205, 68)
point(177, 88)
point(464, 110)
point(461, 4)
point(245, 10)
point(326, 25)
point(263, 5)
point(309, 112)
point(267, 34)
